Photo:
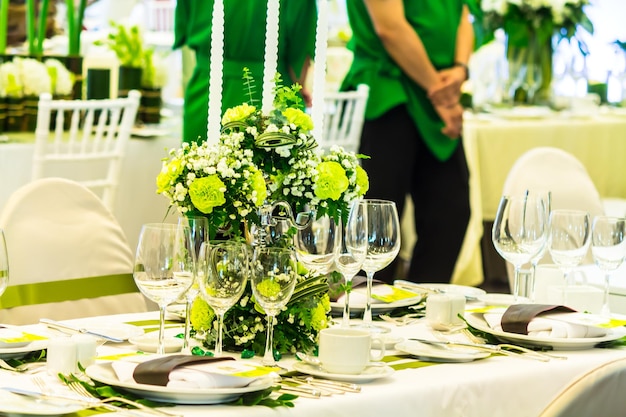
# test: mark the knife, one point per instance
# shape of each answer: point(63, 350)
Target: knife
point(344, 386)
point(62, 326)
point(485, 347)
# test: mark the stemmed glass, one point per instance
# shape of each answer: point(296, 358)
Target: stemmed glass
point(164, 268)
point(316, 244)
point(608, 247)
point(273, 278)
point(199, 231)
point(351, 252)
point(569, 239)
point(4, 264)
point(383, 244)
point(535, 260)
point(519, 231)
point(225, 266)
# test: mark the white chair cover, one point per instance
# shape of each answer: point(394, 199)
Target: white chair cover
point(343, 118)
point(597, 393)
point(58, 230)
point(544, 169)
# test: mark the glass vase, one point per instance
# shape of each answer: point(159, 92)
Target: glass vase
point(529, 70)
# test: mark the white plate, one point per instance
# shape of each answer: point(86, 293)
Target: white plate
point(476, 320)
point(149, 342)
point(17, 352)
point(442, 353)
point(496, 299)
point(19, 405)
point(470, 293)
point(378, 307)
point(103, 372)
point(177, 310)
point(369, 374)
point(122, 331)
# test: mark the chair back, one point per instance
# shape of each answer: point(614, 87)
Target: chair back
point(159, 15)
point(90, 132)
point(68, 255)
point(343, 118)
point(596, 393)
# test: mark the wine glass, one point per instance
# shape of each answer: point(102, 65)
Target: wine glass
point(199, 232)
point(273, 278)
point(383, 244)
point(316, 244)
point(569, 239)
point(4, 264)
point(351, 252)
point(225, 266)
point(608, 247)
point(519, 231)
point(535, 259)
point(164, 268)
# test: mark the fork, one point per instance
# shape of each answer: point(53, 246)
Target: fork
point(79, 389)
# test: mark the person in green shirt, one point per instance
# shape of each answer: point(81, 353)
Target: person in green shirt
point(413, 54)
point(244, 46)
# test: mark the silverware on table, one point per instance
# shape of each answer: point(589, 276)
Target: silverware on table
point(66, 327)
point(501, 348)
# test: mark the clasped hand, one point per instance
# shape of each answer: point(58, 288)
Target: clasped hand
point(445, 96)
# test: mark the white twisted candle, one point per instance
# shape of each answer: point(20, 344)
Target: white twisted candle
point(319, 69)
point(216, 72)
point(271, 54)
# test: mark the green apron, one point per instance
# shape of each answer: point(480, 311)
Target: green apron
point(436, 22)
point(244, 46)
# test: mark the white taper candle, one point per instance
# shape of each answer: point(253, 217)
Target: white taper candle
point(216, 72)
point(271, 54)
point(319, 69)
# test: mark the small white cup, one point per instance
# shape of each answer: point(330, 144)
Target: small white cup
point(442, 310)
point(347, 351)
point(61, 356)
point(85, 346)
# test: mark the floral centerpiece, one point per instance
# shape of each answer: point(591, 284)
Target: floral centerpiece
point(261, 159)
point(530, 26)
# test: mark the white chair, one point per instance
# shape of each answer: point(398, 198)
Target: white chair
point(544, 169)
point(68, 256)
point(597, 393)
point(343, 118)
point(98, 136)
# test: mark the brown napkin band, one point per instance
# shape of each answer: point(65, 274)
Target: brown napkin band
point(157, 371)
point(516, 318)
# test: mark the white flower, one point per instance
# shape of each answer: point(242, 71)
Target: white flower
point(61, 79)
point(35, 77)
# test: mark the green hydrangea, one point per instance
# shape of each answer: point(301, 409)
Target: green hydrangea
point(207, 193)
point(331, 181)
point(299, 118)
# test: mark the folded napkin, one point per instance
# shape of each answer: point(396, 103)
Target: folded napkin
point(381, 292)
point(182, 371)
point(539, 320)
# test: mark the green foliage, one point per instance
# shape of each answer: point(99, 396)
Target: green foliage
point(127, 44)
point(265, 398)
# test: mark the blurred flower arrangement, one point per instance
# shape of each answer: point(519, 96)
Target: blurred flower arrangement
point(23, 77)
point(261, 159)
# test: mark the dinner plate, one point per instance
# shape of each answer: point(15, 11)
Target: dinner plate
point(497, 299)
point(122, 331)
point(432, 353)
point(149, 342)
point(177, 310)
point(14, 405)
point(470, 293)
point(477, 321)
point(13, 338)
point(357, 303)
point(17, 352)
point(369, 374)
point(104, 373)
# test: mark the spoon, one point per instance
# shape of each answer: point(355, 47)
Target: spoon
point(313, 360)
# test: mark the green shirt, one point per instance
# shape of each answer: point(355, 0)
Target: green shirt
point(244, 46)
point(436, 23)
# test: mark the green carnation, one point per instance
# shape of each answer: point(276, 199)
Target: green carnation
point(257, 182)
point(238, 113)
point(168, 174)
point(362, 180)
point(298, 118)
point(207, 192)
point(332, 180)
point(319, 319)
point(268, 288)
point(202, 315)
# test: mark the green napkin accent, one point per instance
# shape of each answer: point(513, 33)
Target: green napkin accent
point(71, 289)
point(397, 294)
point(399, 362)
point(24, 337)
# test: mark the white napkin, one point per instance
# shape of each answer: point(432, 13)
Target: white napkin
point(197, 375)
point(556, 325)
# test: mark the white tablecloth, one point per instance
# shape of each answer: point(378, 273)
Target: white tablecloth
point(495, 386)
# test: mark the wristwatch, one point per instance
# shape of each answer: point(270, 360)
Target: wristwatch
point(464, 66)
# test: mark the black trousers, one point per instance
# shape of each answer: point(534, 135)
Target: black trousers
point(401, 164)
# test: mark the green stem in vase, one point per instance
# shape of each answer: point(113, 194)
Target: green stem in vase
point(4, 19)
point(41, 31)
point(71, 26)
point(30, 26)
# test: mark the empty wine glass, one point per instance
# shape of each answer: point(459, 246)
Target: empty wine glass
point(383, 244)
point(569, 239)
point(519, 231)
point(316, 244)
point(164, 268)
point(225, 266)
point(199, 233)
point(535, 259)
point(273, 278)
point(351, 252)
point(608, 247)
point(4, 264)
